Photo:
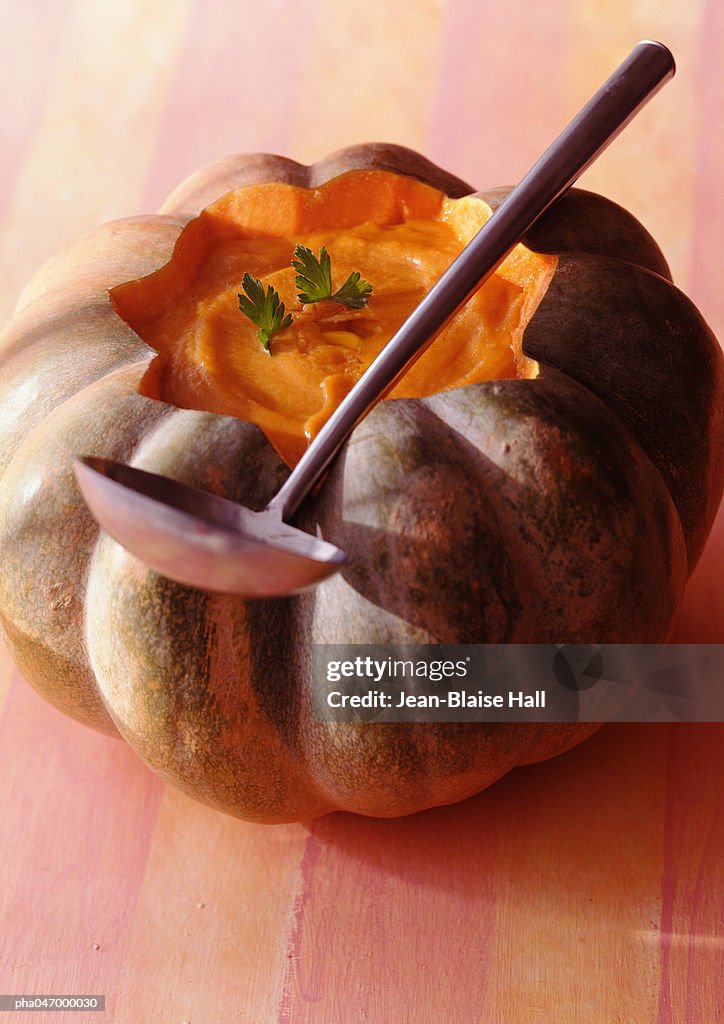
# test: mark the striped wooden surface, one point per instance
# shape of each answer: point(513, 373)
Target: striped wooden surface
point(589, 889)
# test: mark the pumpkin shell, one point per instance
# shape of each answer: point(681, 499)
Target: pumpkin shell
point(569, 508)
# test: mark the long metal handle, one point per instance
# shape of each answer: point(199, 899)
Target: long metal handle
point(645, 70)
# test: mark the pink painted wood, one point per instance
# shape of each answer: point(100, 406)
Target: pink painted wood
point(589, 888)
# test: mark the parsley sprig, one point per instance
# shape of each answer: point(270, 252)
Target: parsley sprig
point(314, 279)
point(264, 309)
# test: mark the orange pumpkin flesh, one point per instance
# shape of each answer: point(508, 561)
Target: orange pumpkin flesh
point(398, 232)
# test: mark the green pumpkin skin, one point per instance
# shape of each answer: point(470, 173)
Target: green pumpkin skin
point(569, 508)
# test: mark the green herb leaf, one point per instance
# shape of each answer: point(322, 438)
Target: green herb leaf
point(264, 310)
point(314, 275)
point(353, 292)
point(314, 278)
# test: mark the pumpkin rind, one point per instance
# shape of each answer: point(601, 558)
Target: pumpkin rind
point(663, 379)
point(536, 481)
point(583, 221)
point(569, 492)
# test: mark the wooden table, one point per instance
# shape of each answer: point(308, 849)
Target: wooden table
point(589, 889)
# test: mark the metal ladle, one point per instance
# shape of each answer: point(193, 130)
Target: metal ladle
point(210, 542)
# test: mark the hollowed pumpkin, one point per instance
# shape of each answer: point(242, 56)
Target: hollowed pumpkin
point(566, 499)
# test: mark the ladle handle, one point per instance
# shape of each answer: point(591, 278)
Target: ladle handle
point(639, 77)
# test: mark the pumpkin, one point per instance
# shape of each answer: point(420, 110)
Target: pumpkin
point(566, 501)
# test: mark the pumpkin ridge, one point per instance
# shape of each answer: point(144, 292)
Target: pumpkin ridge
point(92, 263)
point(659, 368)
point(44, 621)
point(56, 382)
point(583, 221)
point(48, 321)
point(533, 445)
point(232, 172)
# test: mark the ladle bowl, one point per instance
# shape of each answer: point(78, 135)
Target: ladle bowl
point(184, 532)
